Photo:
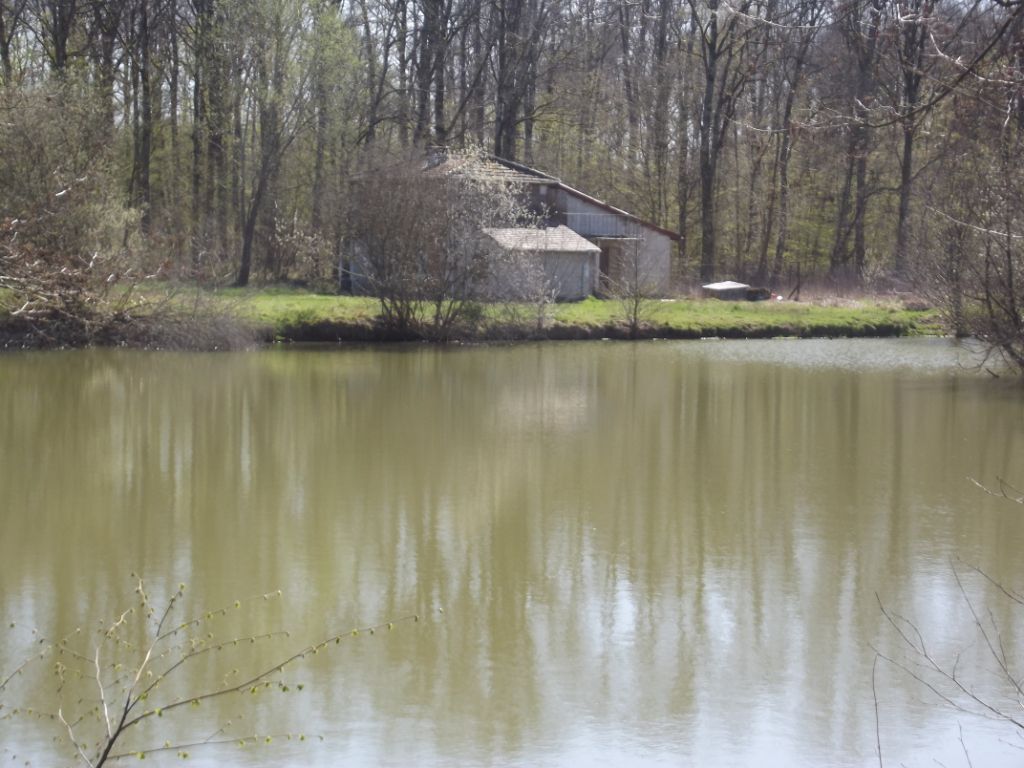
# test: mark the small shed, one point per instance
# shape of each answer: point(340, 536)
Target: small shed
point(570, 262)
point(727, 290)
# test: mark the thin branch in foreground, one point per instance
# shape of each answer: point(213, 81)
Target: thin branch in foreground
point(1004, 491)
point(874, 696)
point(963, 745)
point(117, 686)
point(945, 680)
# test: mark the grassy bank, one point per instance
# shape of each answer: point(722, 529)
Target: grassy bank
point(231, 318)
point(292, 315)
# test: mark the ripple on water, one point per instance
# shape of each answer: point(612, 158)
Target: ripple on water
point(923, 355)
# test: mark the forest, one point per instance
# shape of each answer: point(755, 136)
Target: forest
point(866, 144)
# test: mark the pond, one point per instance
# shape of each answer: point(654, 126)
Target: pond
point(660, 553)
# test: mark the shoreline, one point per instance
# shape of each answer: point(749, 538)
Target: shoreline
point(229, 319)
point(323, 332)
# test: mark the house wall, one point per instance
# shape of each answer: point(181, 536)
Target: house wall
point(356, 267)
point(656, 259)
point(572, 275)
point(588, 219)
point(601, 227)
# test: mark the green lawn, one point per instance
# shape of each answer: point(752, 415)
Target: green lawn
point(296, 314)
point(284, 307)
point(711, 317)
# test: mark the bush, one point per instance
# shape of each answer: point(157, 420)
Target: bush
point(64, 231)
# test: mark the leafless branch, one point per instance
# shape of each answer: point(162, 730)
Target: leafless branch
point(1005, 489)
point(874, 697)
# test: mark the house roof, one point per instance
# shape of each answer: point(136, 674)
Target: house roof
point(539, 177)
point(483, 167)
point(494, 168)
point(558, 239)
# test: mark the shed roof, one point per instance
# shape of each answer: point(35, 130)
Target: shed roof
point(558, 239)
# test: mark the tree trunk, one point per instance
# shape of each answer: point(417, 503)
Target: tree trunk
point(684, 126)
point(809, 15)
point(145, 148)
point(629, 84)
point(660, 129)
point(249, 233)
point(839, 256)
point(440, 65)
point(200, 127)
point(862, 37)
point(404, 61)
point(177, 223)
point(912, 45)
point(529, 108)
point(425, 68)
point(784, 154)
point(63, 14)
point(507, 94)
point(322, 126)
point(8, 28)
point(906, 183)
point(861, 207)
point(708, 155)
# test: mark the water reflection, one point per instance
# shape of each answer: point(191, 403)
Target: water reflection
point(646, 554)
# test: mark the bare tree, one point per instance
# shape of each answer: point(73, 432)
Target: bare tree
point(861, 26)
point(417, 245)
point(971, 244)
point(804, 17)
point(522, 293)
point(634, 287)
point(722, 33)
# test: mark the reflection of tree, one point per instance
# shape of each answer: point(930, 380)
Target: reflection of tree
point(673, 526)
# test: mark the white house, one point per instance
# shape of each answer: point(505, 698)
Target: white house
point(629, 249)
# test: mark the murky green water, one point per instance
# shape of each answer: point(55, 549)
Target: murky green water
point(649, 554)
